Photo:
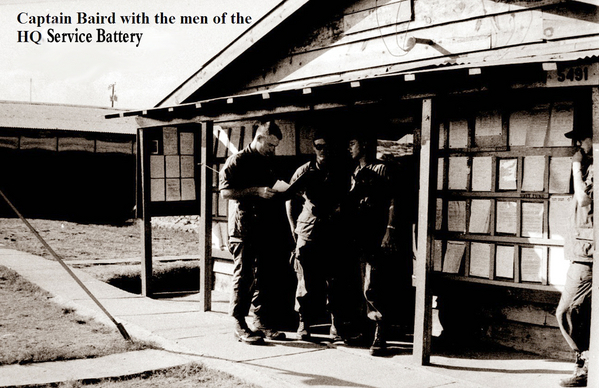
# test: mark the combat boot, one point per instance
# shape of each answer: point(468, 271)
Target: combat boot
point(379, 345)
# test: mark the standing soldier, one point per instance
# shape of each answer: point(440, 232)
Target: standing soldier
point(247, 180)
point(371, 201)
point(574, 309)
point(319, 262)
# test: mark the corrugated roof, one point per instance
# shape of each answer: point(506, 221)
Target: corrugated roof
point(14, 114)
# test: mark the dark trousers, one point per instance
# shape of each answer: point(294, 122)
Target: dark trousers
point(245, 282)
point(574, 310)
point(326, 277)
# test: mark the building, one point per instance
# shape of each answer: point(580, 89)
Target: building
point(486, 89)
point(66, 162)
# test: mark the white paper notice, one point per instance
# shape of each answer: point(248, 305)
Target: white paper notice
point(559, 214)
point(558, 266)
point(281, 186)
point(519, 123)
point(534, 173)
point(530, 264)
point(559, 174)
point(458, 134)
point(458, 173)
point(562, 121)
point(186, 141)
point(456, 216)
point(532, 219)
point(480, 216)
point(504, 261)
point(453, 256)
point(507, 214)
point(537, 129)
point(507, 174)
point(480, 260)
point(156, 166)
point(481, 173)
point(169, 138)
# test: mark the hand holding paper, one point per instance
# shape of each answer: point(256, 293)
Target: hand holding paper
point(281, 186)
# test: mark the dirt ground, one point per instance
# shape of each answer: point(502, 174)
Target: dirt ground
point(74, 241)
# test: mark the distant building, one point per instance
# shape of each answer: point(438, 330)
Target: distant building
point(66, 162)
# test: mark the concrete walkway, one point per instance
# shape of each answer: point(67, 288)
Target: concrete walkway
point(190, 335)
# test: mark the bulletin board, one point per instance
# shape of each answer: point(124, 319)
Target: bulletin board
point(169, 158)
point(503, 194)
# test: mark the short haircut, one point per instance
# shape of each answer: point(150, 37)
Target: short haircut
point(269, 128)
point(320, 134)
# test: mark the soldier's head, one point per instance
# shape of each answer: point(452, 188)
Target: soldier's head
point(361, 145)
point(582, 138)
point(267, 138)
point(322, 147)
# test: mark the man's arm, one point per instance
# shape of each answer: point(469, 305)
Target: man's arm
point(289, 211)
point(388, 240)
point(580, 194)
point(250, 192)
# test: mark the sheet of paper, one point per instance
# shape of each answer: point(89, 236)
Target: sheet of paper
point(559, 174)
point(561, 121)
point(186, 141)
point(438, 255)
point(560, 209)
point(188, 190)
point(440, 166)
point(480, 260)
point(223, 142)
point(507, 174)
point(482, 168)
point(187, 166)
point(169, 141)
point(453, 256)
point(518, 124)
point(458, 173)
point(532, 219)
point(156, 166)
point(537, 128)
point(456, 216)
point(281, 186)
point(458, 134)
point(504, 261)
point(534, 173)
point(157, 190)
point(488, 129)
point(173, 166)
point(506, 217)
point(530, 264)
point(558, 266)
point(480, 216)
point(439, 218)
point(173, 189)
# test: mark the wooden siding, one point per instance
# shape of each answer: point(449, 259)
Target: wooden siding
point(374, 36)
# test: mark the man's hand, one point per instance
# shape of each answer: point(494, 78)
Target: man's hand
point(388, 243)
point(265, 192)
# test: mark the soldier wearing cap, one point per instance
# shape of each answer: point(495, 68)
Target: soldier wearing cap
point(574, 309)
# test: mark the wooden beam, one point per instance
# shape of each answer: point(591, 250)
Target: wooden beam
point(146, 229)
point(205, 229)
point(594, 345)
point(424, 261)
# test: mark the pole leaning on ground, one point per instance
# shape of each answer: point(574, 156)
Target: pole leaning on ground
point(119, 326)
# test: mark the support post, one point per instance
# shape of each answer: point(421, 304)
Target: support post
point(205, 229)
point(423, 316)
point(593, 379)
point(146, 229)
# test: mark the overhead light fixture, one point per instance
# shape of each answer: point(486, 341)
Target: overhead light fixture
point(548, 66)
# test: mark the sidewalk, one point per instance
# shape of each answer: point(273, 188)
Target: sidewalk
point(188, 334)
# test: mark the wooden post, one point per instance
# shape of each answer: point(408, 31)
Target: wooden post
point(423, 317)
point(205, 229)
point(594, 344)
point(146, 262)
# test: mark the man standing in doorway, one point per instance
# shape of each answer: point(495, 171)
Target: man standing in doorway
point(323, 271)
point(371, 203)
point(574, 309)
point(247, 180)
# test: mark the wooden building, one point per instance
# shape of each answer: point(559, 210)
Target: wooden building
point(485, 88)
point(66, 162)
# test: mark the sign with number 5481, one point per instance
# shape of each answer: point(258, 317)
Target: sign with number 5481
point(574, 75)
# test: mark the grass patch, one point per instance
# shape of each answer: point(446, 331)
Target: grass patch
point(34, 329)
point(187, 376)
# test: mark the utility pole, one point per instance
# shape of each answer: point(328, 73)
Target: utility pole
point(113, 97)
